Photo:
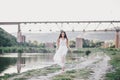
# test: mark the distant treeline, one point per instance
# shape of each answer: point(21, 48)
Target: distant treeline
point(8, 44)
point(25, 50)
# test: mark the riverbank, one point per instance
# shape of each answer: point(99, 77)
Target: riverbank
point(87, 68)
point(34, 60)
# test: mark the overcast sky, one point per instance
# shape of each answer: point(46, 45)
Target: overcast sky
point(58, 10)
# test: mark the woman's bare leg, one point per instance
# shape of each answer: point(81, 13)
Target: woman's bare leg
point(63, 61)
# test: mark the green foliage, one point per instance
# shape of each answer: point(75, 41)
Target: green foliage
point(78, 51)
point(7, 39)
point(1, 51)
point(71, 71)
point(20, 50)
point(6, 76)
point(72, 44)
point(115, 62)
point(86, 43)
point(113, 46)
point(8, 50)
point(25, 50)
point(73, 75)
point(5, 62)
point(95, 44)
point(87, 52)
point(62, 78)
point(20, 78)
point(113, 76)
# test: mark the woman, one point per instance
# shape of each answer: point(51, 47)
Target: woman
point(62, 48)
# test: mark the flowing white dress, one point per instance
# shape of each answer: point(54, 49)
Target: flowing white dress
point(61, 53)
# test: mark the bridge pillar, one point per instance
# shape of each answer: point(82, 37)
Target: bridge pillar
point(19, 34)
point(19, 40)
point(79, 42)
point(117, 42)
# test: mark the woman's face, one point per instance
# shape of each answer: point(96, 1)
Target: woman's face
point(63, 34)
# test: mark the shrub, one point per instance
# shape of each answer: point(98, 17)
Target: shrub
point(87, 52)
point(20, 50)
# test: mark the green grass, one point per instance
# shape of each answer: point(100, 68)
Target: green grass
point(73, 74)
point(20, 78)
point(115, 62)
point(31, 73)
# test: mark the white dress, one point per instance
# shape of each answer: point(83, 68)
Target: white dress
point(61, 53)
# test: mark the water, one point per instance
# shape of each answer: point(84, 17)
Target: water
point(9, 62)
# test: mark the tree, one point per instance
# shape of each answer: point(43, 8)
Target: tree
point(7, 39)
point(72, 44)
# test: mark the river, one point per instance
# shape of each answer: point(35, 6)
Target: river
point(29, 61)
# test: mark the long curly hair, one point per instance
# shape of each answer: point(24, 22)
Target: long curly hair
point(65, 36)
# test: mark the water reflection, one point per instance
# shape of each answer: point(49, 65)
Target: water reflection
point(19, 62)
point(23, 62)
point(5, 62)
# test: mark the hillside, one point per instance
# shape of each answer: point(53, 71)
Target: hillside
point(6, 39)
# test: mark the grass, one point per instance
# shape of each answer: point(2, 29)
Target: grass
point(73, 74)
point(114, 74)
point(20, 78)
point(6, 76)
point(31, 73)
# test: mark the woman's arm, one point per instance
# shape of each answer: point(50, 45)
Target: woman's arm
point(67, 43)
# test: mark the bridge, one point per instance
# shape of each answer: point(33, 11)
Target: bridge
point(115, 28)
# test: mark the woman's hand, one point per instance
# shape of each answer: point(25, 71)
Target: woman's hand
point(57, 48)
point(70, 49)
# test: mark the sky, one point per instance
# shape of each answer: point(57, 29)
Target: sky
point(56, 10)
